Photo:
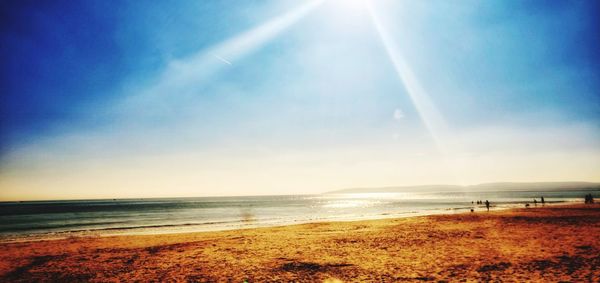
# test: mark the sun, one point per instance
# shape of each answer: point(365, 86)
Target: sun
point(346, 11)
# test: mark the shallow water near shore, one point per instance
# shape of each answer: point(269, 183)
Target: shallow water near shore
point(172, 215)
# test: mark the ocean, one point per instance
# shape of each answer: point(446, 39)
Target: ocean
point(31, 219)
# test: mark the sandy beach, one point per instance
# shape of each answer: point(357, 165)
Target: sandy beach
point(553, 243)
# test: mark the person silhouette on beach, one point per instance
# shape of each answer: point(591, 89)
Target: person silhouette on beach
point(543, 202)
point(589, 199)
point(487, 205)
point(534, 202)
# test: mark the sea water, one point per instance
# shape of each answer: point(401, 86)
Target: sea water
point(19, 220)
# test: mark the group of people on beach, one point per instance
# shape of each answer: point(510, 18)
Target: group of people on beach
point(589, 199)
point(487, 204)
point(535, 202)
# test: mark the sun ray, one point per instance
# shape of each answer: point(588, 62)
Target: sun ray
point(429, 113)
point(198, 69)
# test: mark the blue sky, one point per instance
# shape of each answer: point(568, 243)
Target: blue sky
point(103, 99)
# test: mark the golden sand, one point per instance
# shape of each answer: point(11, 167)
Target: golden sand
point(557, 243)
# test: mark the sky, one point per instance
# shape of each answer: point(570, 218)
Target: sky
point(117, 99)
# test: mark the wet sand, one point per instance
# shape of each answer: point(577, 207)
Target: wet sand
point(553, 243)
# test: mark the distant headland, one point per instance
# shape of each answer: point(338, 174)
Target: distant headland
point(484, 187)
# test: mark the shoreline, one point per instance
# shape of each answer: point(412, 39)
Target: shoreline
point(551, 243)
point(195, 228)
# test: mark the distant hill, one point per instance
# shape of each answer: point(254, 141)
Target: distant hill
point(502, 186)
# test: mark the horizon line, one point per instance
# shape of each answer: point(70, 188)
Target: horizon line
point(596, 183)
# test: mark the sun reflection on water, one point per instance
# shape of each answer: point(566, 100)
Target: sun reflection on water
point(346, 203)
